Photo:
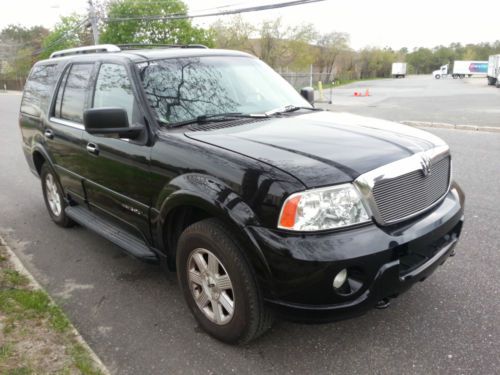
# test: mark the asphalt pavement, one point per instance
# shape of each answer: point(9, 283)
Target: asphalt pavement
point(468, 101)
point(135, 319)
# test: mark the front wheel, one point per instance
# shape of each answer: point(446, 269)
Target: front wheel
point(437, 76)
point(53, 196)
point(219, 284)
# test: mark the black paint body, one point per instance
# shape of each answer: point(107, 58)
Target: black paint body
point(242, 174)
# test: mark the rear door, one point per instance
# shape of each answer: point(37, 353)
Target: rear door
point(117, 172)
point(64, 129)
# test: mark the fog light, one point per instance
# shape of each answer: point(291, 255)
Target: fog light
point(340, 279)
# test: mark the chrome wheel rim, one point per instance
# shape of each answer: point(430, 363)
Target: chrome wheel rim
point(53, 196)
point(211, 286)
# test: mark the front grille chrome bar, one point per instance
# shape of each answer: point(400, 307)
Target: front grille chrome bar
point(408, 187)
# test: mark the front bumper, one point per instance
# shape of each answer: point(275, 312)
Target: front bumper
point(382, 262)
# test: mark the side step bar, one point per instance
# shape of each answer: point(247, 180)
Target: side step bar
point(128, 242)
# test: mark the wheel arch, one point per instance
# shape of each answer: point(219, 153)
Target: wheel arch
point(39, 157)
point(195, 197)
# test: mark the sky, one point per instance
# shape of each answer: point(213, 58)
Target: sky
point(380, 23)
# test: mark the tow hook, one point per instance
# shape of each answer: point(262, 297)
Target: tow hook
point(384, 303)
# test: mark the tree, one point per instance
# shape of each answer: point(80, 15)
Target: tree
point(233, 34)
point(146, 31)
point(71, 31)
point(18, 45)
point(331, 46)
point(284, 46)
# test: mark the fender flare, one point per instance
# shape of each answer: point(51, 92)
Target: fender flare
point(39, 148)
point(220, 201)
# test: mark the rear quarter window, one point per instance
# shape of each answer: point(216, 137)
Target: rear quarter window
point(37, 89)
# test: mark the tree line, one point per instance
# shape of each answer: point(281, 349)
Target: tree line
point(284, 47)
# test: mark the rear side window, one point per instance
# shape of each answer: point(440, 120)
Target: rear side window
point(37, 89)
point(72, 93)
point(114, 89)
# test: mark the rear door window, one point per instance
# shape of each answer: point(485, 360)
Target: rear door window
point(75, 92)
point(37, 89)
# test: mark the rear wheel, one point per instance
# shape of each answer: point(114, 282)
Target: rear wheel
point(54, 197)
point(219, 284)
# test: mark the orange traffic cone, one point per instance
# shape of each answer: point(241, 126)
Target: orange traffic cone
point(367, 93)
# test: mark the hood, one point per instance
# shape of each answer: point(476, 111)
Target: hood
point(321, 148)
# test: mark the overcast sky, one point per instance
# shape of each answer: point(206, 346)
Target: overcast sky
point(369, 23)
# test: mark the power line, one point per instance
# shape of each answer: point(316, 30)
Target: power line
point(64, 36)
point(221, 13)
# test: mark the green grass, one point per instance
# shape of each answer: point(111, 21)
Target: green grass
point(5, 351)
point(19, 371)
point(22, 304)
point(24, 310)
point(82, 360)
point(343, 82)
point(13, 278)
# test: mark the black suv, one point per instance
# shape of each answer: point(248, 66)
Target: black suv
point(209, 163)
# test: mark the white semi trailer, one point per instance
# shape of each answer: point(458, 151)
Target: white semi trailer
point(398, 69)
point(462, 69)
point(493, 70)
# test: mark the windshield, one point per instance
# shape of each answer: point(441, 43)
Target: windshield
point(182, 89)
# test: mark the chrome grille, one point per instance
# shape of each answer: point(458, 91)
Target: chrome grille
point(408, 194)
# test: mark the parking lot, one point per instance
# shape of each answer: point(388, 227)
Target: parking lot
point(135, 319)
point(468, 101)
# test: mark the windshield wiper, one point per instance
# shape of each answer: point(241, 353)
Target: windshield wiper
point(216, 117)
point(289, 108)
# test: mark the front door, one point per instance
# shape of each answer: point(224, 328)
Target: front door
point(117, 172)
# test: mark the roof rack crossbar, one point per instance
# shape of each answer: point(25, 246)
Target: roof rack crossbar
point(87, 49)
point(146, 45)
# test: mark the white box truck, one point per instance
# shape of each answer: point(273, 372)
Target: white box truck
point(461, 69)
point(398, 69)
point(493, 70)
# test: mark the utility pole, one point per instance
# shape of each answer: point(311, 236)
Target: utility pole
point(93, 22)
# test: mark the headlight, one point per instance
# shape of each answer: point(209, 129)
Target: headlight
point(321, 209)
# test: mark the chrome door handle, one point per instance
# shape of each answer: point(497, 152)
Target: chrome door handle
point(49, 134)
point(92, 148)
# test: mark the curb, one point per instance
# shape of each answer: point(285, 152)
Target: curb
point(19, 267)
point(442, 125)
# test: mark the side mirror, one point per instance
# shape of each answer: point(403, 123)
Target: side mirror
point(308, 94)
point(110, 121)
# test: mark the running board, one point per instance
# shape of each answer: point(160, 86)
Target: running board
point(128, 242)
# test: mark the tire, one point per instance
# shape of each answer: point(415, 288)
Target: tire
point(437, 76)
point(455, 76)
point(497, 84)
point(54, 197)
point(212, 240)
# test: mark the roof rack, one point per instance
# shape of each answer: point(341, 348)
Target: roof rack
point(143, 45)
point(117, 48)
point(87, 49)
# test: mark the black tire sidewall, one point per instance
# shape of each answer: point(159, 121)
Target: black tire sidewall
point(243, 284)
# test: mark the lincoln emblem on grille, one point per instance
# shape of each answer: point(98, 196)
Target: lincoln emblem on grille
point(425, 162)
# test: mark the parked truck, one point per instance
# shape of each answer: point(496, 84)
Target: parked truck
point(398, 69)
point(493, 70)
point(461, 69)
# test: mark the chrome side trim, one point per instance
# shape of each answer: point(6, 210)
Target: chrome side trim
point(71, 124)
point(366, 182)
